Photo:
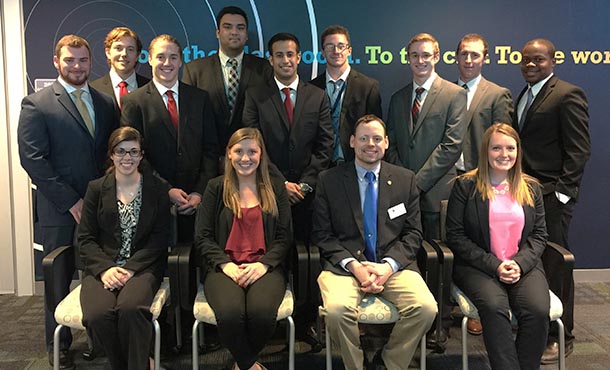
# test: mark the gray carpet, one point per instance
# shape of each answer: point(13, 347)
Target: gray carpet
point(22, 341)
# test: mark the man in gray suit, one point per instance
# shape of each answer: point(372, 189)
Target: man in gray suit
point(487, 103)
point(426, 129)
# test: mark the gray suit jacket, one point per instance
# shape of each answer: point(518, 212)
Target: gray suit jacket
point(490, 104)
point(431, 147)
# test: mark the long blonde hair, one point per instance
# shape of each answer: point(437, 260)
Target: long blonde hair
point(230, 195)
point(519, 184)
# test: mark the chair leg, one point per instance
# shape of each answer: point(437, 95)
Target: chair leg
point(56, 346)
point(290, 343)
point(329, 355)
point(157, 345)
point(178, 327)
point(562, 345)
point(195, 341)
point(422, 361)
point(464, 343)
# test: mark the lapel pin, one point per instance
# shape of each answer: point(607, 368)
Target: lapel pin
point(389, 182)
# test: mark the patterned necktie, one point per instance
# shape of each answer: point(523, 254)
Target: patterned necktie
point(288, 104)
point(122, 90)
point(370, 218)
point(82, 109)
point(416, 105)
point(528, 104)
point(335, 97)
point(172, 108)
point(233, 83)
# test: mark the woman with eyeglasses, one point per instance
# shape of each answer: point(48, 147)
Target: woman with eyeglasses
point(496, 230)
point(123, 237)
point(243, 232)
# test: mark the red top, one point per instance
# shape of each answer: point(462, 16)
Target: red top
point(246, 243)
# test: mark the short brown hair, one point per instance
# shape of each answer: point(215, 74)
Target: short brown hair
point(424, 37)
point(473, 37)
point(164, 37)
point(116, 33)
point(366, 119)
point(72, 41)
point(334, 30)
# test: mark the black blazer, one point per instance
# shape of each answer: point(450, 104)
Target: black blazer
point(104, 84)
point(468, 230)
point(555, 137)
point(214, 222)
point(338, 228)
point(206, 74)
point(99, 232)
point(57, 150)
point(187, 159)
point(361, 97)
point(300, 152)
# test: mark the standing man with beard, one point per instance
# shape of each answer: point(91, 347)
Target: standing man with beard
point(63, 137)
point(122, 47)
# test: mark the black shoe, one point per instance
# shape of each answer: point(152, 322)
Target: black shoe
point(551, 352)
point(65, 360)
point(437, 340)
point(377, 362)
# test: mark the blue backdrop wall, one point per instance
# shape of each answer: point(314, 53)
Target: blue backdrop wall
point(379, 31)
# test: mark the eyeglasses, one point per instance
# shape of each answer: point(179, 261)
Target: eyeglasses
point(120, 152)
point(426, 57)
point(329, 48)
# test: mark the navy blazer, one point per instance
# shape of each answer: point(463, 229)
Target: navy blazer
point(468, 230)
point(99, 232)
point(214, 222)
point(338, 228)
point(57, 150)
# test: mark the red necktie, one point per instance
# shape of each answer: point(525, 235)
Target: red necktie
point(172, 108)
point(416, 105)
point(122, 90)
point(288, 104)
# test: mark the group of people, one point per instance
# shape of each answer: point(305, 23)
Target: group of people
point(264, 157)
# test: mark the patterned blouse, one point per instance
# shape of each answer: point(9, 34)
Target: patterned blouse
point(128, 220)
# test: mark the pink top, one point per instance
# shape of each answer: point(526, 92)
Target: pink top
point(506, 221)
point(246, 242)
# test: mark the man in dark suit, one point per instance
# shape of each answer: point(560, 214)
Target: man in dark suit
point(227, 74)
point(294, 119)
point(122, 47)
point(178, 127)
point(487, 103)
point(351, 94)
point(367, 226)
point(63, 138)
point(552, 118)
point(426, 129)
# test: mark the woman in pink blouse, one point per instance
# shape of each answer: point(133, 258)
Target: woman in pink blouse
point(496, 229)
point(243, 232)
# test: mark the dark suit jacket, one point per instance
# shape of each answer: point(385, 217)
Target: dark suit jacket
point(206, 74)
point(214, 222)
point(433, 146)
point(58, 152)
point(361, 97)
point(300, 152)
point(187, 159)
point(104, 84)
point(468, 230)
point(490, 104)
point(99, 232)
point(338, 228)
point(555, 137)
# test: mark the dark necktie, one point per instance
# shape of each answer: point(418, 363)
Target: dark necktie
point(122, 90)
point(370, 218)
point(465, 86)
point(288, 104)
point(172, 108)
point(528, 104)
point(335, 112)
point(233, 83)
point(416, 105)
point(82, 109)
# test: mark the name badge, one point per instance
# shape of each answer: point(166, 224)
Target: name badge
point(397, 210)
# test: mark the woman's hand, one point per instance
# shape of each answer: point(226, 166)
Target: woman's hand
point(250, 273)
point(115, 277)
point(509, 272)
point(231, 270)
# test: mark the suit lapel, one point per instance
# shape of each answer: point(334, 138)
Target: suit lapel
point(476, 100)
point(385, 188)
point(301, 102)
point(220, 91)
point(64, 99)
point(147, 211)
point(483, 213)
point(350, 84)
point(276, 99)
point(430, 98)
point(350, 184)
point(109, 205)
point(546, 90)
point(160, 109)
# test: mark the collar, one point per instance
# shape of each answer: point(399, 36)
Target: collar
point(69, 88)
point(292, 86)
point(426, 85)
point(342, 77)
point(361, 171)
point(538, 85)
point(115, 79)
point(224, 58)
point(472, 84)
point(162, 89)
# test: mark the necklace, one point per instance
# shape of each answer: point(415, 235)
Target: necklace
point(500, 189)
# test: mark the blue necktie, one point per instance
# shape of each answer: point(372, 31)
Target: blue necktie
point(370, 218)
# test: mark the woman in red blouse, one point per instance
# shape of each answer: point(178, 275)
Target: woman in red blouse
point(243, 232)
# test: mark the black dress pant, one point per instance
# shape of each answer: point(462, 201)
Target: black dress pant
point(52, 238)
point(529, 301)
point(246, 317)
point(120, 320)
point(558, 217)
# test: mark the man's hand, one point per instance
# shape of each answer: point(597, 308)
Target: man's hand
point(509, 272)
point(115, 277)
point(364, 277)
point(77, 210)
point(383, 271)
point(251, 272)
point(231, 270)
point(294, 192)
point(180, 198)
point(193, 200)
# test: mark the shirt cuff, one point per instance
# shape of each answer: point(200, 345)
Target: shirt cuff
point(393, 264)
point(562, 197)
point(345, 261)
